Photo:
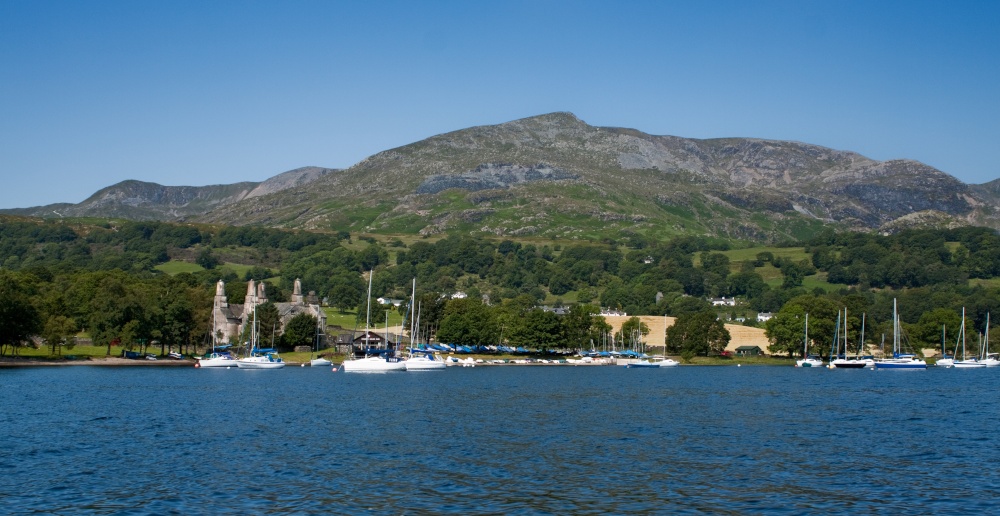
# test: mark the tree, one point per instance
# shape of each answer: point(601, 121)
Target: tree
point(928, 331)
point(300, 330)
point(269, 328)
point(116, 302)
point(468, 321)
point(632, 329)
point(18, 317)
point(58, 333)
point(206, 259)
point(346, 291)
point(539, 329)
point(786, 330)
point(583, 326)
point(700, 333)
point(792, 275)
point(749, 284)
point(560, 282)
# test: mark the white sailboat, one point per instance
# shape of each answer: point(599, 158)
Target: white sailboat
point(987, 358)
point(219, 356)
point(420, 360)
point(259, 358)
point(899, 360)
point(965, 363)
point(316, 361)
point(946, 360)
point(841, 361)
point(379, 362)
point(809, 360)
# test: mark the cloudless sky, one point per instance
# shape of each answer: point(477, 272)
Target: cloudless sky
point(194, 93)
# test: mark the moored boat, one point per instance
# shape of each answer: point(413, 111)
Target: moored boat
point(424, 361)
point(262, 359)
point(216, 358)
point(375, 360)
point(808, 360)
point(899, 360)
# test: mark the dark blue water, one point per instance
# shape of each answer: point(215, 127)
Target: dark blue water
point(522, 440)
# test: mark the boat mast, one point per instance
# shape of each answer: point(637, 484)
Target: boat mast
point(986, 339)
point(805, 340)
point(962, 331)
point(845, 333)
point(413, 314)
point(861, 344)
point(895, 330)
point(368, 310)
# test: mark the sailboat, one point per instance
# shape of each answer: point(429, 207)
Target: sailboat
point(987, 358)
point(965, 363)
point(374, 361)
point(841, 361)
point(260, 358)
point(419, 359)
point(219, 356)
point(899, 359)
point(316, 361)
point(809, 360)
point(946, 360)
point(643, 361)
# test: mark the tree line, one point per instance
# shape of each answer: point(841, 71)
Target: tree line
point(101, 278)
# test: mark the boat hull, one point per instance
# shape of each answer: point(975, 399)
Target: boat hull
point(320, 362)
point(851, 364)
point(915, 364)
point(425, 365)
point(252, 365)
point(260, 362)
point(215, 362)
point(641, 365)
point(373, 365)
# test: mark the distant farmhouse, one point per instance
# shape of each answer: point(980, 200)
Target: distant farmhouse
point(229, 320)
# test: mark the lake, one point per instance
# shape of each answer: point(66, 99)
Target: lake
point(501, 439)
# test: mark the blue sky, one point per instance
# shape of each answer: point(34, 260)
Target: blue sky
point(194, 93)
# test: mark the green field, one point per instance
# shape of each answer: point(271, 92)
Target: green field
point(174, 267)
point(737, 256)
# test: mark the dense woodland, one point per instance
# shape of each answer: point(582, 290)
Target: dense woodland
point(60, 279)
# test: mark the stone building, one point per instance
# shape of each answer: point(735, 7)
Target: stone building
point(229, 320)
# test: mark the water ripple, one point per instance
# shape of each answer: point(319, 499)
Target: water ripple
point(501, 440)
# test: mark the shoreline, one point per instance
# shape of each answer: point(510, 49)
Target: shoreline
point(91, 361)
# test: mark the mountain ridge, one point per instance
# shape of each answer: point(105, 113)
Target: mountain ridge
point(555, 176)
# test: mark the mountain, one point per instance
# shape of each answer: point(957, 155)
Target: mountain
point(558, 177)
point(139, 200)
point(554, 176)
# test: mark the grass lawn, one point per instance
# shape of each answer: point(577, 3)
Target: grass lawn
point(347, 320)
point(77, 351)
point(750, 254)
point(174, 267)
point(761, 360)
